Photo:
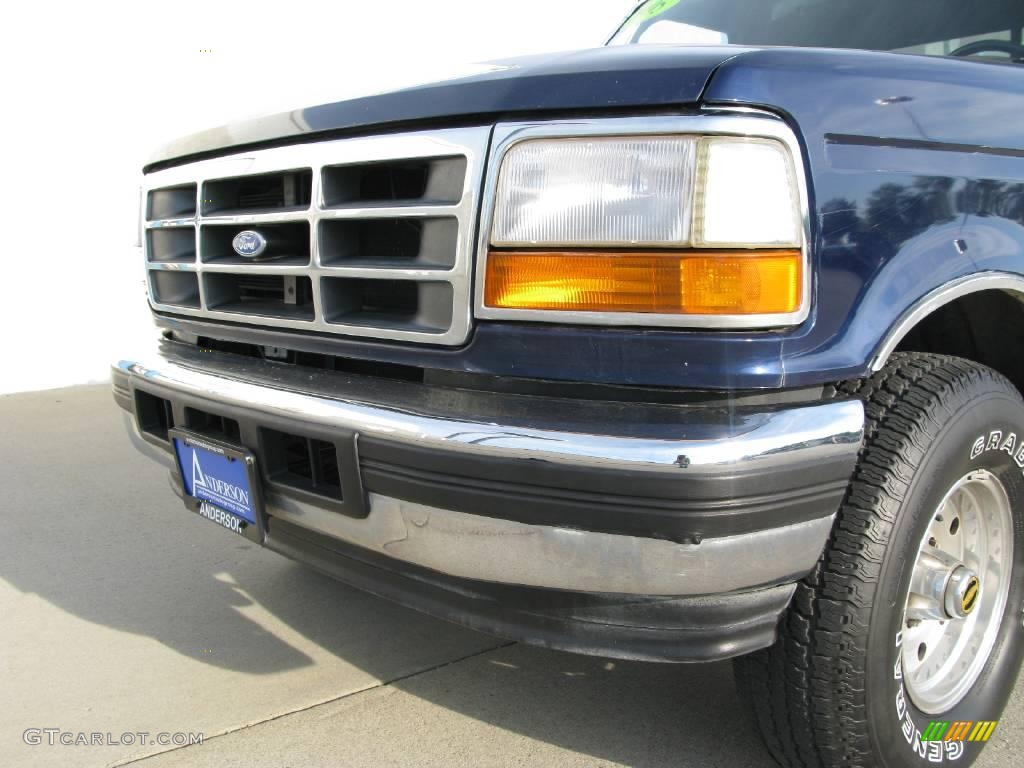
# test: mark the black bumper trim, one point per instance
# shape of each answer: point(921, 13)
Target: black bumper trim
point(678, 507)
point(668, 629)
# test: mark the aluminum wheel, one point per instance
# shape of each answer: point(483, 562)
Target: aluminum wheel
point(958, 592)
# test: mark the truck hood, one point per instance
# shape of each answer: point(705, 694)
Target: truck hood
point(601, 78)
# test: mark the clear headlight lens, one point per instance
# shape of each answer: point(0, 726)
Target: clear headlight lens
point(602, 192)
point(665, 225)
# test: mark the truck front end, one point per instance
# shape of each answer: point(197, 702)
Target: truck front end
point(350, 361)
point(584, 350)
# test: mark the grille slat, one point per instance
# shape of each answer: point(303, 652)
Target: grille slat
point(368, 237)
point(435, 180)
point(266, 192)
point(256, 294)
point(177, 289)
point(172, 244)
point(171, 202)
point(426, 242)
point(425, 306)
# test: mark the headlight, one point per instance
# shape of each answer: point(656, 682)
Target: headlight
point(671, 229)
point(605, 192)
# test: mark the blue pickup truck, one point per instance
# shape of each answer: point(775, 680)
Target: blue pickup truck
point(705, 344)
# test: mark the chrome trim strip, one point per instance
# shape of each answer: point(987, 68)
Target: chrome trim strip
point(171, 266)
point(424, 274)
point(488, 549)
point(750, 124)
point(255, 268)
point(982, 281)
point(390, 212)
point(168, 223)
point(243, 219)
point(470, 143)
point(772, 439)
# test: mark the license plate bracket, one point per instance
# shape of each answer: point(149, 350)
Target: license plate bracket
point(220, 481)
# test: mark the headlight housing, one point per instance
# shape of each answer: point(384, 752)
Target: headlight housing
point(693, 221)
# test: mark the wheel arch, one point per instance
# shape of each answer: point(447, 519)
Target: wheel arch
point(960, 318)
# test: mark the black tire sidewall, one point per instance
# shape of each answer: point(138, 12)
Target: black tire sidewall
point(896, 724)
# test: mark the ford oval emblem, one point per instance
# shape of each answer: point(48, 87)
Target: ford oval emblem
point(249, 244)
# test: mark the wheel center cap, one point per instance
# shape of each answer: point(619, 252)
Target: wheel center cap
point(962, 592)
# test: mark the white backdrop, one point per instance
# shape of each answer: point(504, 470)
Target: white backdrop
point(89, 89)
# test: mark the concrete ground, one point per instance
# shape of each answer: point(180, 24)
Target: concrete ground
point(121, 613)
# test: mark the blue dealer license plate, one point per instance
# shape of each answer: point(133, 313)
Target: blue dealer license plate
point(219, 483)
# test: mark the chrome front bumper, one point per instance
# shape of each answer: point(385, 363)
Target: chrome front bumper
point(735, 450)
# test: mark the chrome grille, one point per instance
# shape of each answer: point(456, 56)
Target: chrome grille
point(365, 237)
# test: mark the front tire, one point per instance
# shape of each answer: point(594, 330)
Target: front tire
point(880, 639)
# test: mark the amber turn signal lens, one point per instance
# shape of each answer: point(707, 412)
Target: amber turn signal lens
point(689, 283)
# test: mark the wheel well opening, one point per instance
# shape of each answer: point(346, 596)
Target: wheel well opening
point(986, 327)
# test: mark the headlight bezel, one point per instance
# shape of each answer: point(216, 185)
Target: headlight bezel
point(747, 125)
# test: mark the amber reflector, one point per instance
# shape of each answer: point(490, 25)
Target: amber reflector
point(691, 282)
